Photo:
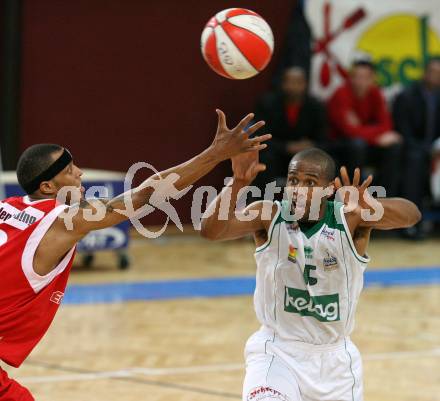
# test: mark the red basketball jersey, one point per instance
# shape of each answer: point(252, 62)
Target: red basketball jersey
point(28, 301)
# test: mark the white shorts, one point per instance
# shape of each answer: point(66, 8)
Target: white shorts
point(301, 371)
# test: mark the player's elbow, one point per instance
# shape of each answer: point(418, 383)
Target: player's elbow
point(415, 216)
point(411, 214)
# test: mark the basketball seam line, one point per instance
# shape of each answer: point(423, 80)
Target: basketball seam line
point(238, 49)
point(223, 73)
point(253, 33)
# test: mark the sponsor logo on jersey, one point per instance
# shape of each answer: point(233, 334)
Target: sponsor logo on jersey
point(4, 214)
point(330, 262)
point(20, 219)
point(263, 393)
point(324, 308)
point(292, 253)
point(57, 297)
point(308, 252)
point(25, 218)
point(328, 233)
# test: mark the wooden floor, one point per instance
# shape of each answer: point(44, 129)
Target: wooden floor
point(192, 349)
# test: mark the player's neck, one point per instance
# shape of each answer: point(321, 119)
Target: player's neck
point(37, 197)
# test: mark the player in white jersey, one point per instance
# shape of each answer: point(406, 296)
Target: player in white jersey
point(309, 276)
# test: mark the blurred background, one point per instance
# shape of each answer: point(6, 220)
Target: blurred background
point(119, 82)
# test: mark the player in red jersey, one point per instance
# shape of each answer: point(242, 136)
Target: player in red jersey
point(37, 247)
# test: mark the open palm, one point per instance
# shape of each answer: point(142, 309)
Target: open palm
point(246, 166)
point(364, 198)
point(230, 142)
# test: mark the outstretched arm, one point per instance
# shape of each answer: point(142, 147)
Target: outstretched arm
point(397, 213)
point(223, 220)
point(227, 143)
point(387, 213)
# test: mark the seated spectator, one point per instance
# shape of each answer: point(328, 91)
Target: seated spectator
point(417, 116)
point(295, 120)
point(361, 128)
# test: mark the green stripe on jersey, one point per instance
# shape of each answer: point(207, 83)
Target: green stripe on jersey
point(329, 218)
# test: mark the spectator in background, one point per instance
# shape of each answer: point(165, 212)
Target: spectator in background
point(435, 176)
point(416, 113)
point(296, 121)
point(361, 128)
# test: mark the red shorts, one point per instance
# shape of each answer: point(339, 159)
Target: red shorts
point(10, 390)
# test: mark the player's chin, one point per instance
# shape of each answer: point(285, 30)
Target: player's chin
point(300, 212)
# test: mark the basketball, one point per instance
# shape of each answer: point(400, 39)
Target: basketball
point(237, 43)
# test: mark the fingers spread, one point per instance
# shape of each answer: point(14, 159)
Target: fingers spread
point(260, 167)
point(255, 127)
point(221, 119)
point(366, 183)
point(356, 177)
point(344, 176)
point(255, 147)
point(338, 183)
point(244, 122)
point(258, 139)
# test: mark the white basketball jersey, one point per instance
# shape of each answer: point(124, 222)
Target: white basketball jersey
point(308, 282)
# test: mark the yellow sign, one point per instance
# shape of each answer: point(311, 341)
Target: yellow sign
point(400, 45)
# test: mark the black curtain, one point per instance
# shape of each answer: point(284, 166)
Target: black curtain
point(10, 50)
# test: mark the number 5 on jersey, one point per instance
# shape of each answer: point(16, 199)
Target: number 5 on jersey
point(307, 278)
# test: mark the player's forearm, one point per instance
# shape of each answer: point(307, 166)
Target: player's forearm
point(185, 174)
point(397, 213)
point(221, 210)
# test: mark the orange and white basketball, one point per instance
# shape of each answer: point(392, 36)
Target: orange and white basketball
point(237, 43)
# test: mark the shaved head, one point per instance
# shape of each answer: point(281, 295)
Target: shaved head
point(319, 158)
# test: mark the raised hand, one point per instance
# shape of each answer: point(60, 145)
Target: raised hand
point(246, 166)
point(231, 142)
point(344, 182)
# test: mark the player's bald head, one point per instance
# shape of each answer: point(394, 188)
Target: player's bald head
point(318, 158)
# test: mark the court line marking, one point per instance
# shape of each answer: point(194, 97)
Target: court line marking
point(103, 293)
point(184, 370)
point(119, 375)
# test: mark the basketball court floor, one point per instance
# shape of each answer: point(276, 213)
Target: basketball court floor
point(173, 327)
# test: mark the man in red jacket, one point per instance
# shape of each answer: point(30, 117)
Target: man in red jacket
point(361, 127)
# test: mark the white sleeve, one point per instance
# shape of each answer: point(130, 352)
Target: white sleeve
point(36, 281)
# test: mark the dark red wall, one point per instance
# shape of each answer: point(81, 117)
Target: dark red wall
point(120, 81)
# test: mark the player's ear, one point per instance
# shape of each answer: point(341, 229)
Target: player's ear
point(48, 188)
